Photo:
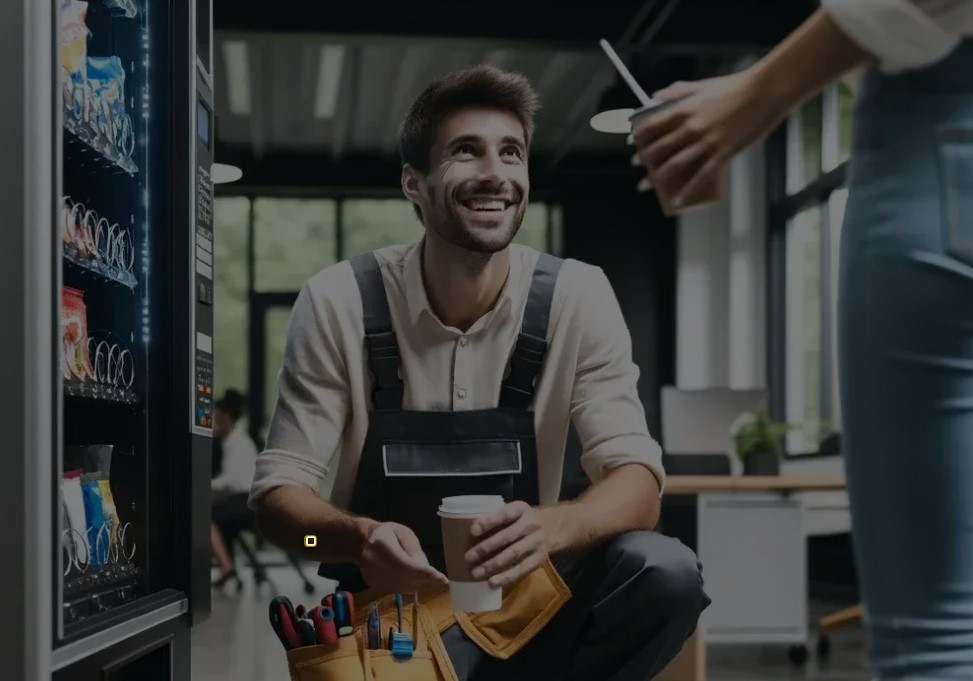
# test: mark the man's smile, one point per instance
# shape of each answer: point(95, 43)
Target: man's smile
point(488, 207)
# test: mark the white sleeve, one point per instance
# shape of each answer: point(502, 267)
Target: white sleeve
point(901, 34)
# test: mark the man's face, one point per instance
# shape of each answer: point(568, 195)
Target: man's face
point(477, 189)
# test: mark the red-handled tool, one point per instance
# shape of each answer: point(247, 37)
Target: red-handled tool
point(323, 618)
point(283, 619)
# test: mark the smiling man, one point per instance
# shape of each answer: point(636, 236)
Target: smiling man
point(455, 366)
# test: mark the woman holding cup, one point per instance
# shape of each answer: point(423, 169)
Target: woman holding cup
point(906, 292)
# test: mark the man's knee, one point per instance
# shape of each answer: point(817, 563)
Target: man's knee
point(664, 572)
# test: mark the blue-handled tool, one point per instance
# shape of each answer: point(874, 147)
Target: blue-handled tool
point(374, 634)
point(343, 617)
point(401, 643)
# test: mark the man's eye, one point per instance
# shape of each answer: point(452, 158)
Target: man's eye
point(464, 149)
point(513, 151)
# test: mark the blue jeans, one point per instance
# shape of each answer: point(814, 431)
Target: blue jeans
point(906, 360)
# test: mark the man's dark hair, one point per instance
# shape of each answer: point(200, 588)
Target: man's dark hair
point(478, 87)
point(233, 403)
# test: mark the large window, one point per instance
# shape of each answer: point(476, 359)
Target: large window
point(291, 239)
point(804, 338)
point(232, 290)
point(805, 384)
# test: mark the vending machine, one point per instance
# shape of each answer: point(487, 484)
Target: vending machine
point(108, 366)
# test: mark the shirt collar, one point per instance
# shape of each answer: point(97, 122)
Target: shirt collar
point(418, 301)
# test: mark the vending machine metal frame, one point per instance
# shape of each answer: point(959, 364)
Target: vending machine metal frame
point(30, 186)
point(29, 137)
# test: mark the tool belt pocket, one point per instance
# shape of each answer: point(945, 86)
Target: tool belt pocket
point(350, 659)
point(341, 661)
point(528, 606)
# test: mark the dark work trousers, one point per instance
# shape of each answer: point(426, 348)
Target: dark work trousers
point(635, 600)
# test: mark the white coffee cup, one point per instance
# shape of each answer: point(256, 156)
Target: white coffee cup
point(458, 515)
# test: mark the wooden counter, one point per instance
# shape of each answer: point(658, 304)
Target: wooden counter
point(698, 484)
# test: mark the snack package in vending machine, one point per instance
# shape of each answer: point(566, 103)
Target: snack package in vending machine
point(74, 56)
point(75, 359)
point(106, 84)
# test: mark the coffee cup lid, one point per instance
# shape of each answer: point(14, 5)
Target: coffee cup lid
point(655, 104)
point(471, 503)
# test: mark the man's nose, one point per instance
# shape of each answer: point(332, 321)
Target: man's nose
point(492, 168)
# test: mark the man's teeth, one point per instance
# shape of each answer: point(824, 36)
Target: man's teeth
point(485, 205)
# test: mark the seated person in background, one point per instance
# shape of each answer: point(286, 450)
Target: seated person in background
point(411, 345)
point(232, 486)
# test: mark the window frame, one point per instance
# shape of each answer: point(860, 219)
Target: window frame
point(791, 194)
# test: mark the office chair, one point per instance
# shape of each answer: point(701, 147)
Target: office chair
point(837, 621)
point(236, 520)
point(260, 569)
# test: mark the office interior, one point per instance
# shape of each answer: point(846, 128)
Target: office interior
point(186, 290)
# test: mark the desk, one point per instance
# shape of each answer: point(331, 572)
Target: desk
point(701, 484)
point(752, 545)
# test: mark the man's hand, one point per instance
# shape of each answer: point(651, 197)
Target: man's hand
point(513, 542)
point(393, 561)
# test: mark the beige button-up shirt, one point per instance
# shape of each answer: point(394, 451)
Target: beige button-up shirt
point(321, 416)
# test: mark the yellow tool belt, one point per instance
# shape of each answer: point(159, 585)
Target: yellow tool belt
point(527, 608)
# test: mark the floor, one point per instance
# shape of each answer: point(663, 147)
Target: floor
point(236, 642)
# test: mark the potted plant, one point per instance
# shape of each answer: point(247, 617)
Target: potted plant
point(758, 442)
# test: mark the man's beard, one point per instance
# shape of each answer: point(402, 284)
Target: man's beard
point(452, 224)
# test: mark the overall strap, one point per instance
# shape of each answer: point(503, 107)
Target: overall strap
point(528, 355)
point(381, 346)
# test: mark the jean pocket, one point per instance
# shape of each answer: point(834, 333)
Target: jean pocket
point(955, 145)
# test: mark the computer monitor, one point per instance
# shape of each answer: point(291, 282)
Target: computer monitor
point(699, 421)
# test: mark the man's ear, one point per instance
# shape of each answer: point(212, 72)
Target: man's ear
point(412, 184)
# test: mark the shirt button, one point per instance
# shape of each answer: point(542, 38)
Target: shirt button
point(461, 393)
point(463, 341)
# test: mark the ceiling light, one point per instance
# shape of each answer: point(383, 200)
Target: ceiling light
point(221, 173)
point(236, 56)
point(614, 121)
point(329, 78)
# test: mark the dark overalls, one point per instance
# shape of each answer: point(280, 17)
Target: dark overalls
point(410, 460)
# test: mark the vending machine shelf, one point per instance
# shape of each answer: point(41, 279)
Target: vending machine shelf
point(90, 148)
point(121, 8)
point(95, 269)
point(95, 391)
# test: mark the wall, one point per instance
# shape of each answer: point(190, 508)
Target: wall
point(608, 224)
point(720, 290)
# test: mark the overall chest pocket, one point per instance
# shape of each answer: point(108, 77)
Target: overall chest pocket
point(419, 475)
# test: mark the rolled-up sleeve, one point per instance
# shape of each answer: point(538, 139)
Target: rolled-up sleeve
point(605, 406)
point(901, 34)
point(312, 402)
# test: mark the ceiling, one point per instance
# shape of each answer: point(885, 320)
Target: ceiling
point(307, 96)
point(376, 85)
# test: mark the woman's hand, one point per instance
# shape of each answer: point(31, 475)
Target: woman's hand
point(687, 146)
